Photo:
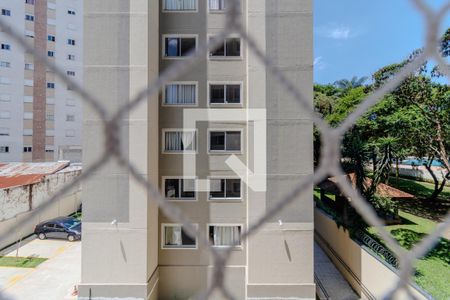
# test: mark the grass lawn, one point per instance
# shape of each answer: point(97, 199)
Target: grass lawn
point(432, 271)
point(21, 262)
point(418, 188)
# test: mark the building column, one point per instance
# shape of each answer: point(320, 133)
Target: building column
point(119, 251)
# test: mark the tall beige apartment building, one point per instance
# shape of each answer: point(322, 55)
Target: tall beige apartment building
point(198, 141)
point(40, 115)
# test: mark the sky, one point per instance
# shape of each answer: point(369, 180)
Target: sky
point(358, 37)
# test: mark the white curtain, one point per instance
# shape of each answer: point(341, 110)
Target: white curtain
point(179, 141)
point(226, 236)
point(173, 236)
point(180, 94)
point(180, 4)
point(217, 4)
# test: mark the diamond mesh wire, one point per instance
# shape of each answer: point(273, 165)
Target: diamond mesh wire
point(331, 140)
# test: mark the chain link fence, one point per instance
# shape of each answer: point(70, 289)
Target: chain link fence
point(331, 140)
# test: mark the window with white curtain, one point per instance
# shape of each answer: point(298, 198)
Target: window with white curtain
point(180, 94)
point(180, 5)
point(224, 188)
point(225, 235)
point(174, 237)
point(179, 188)
point(217, 5)
point(179, 141)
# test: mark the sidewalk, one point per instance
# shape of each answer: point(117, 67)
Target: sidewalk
point(52, 280)
point(330, 283)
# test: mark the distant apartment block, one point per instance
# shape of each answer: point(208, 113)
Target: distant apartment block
point(131, 248)
point(40, 115)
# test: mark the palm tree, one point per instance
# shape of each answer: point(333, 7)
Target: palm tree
point(355, 82)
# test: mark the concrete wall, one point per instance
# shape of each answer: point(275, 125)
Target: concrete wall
point(18, 204)
point(367, 275)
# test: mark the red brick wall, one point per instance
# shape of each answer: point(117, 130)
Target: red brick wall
point(40, 81)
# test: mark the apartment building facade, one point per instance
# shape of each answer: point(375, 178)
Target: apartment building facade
point(182, 138)
point(40, 115)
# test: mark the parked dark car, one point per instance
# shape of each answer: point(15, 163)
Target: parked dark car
point(60, 228)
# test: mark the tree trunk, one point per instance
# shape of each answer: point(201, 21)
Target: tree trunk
point(438, 188)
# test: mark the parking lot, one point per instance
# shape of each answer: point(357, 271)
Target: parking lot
point(53, 279)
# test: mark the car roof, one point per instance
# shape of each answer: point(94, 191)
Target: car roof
point(58, 220)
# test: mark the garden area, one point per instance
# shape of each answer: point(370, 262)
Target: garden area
point(411, 122)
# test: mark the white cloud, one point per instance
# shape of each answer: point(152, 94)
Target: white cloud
point(319, 64)
point(336, 32)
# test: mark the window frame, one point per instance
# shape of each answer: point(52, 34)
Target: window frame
point(224, 199)
point(163, 100)
point(237, 247)
point(225, 152)
point(177, 35)
point(163, 140)
point(225, 57)
point(225, 83)
point(163, 10)
point(163, 237)
point(163, 188)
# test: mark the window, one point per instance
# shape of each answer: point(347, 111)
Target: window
point(50, 132)
point(51, 22)
point(29, 33)
point(50, 117)
point(228, 141)
point(27, 149)
point(50, 85)
point(6, 12)
point(173, 236)
point(49, 149)
point(180, 94)
point(70, 102)
point(51, 5)
point(179, 46)
point(179, 188)
point(28, 82)
point(5, 46)
point(5, 64)
point(180, 5)
point(70, 73)
point(179, 141)
point(5, 114)
point(70, 133)
point(71, 57)
point(4, 149)
point(71, 12)
point(71, 42)
point(4, 131)
point(51, 53)
point(29, 67)
point(225, 235)
point(28, 132)
point(5, 80)
point(51, 38)
point(231, 47)
point(70, 118)
point(224, 188)
point(28, 116)
point(29, 18)
point(5, 97)
point(29, 2)
point(28, 99)
point(224, 93)
point(217, 5)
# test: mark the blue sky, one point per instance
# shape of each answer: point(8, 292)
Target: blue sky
point(357, 37)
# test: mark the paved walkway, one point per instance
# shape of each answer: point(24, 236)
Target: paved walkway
point(330, 283)
point(52, 280)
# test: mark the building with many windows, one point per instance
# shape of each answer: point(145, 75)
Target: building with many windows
point(40, 115)
point(223, 142)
